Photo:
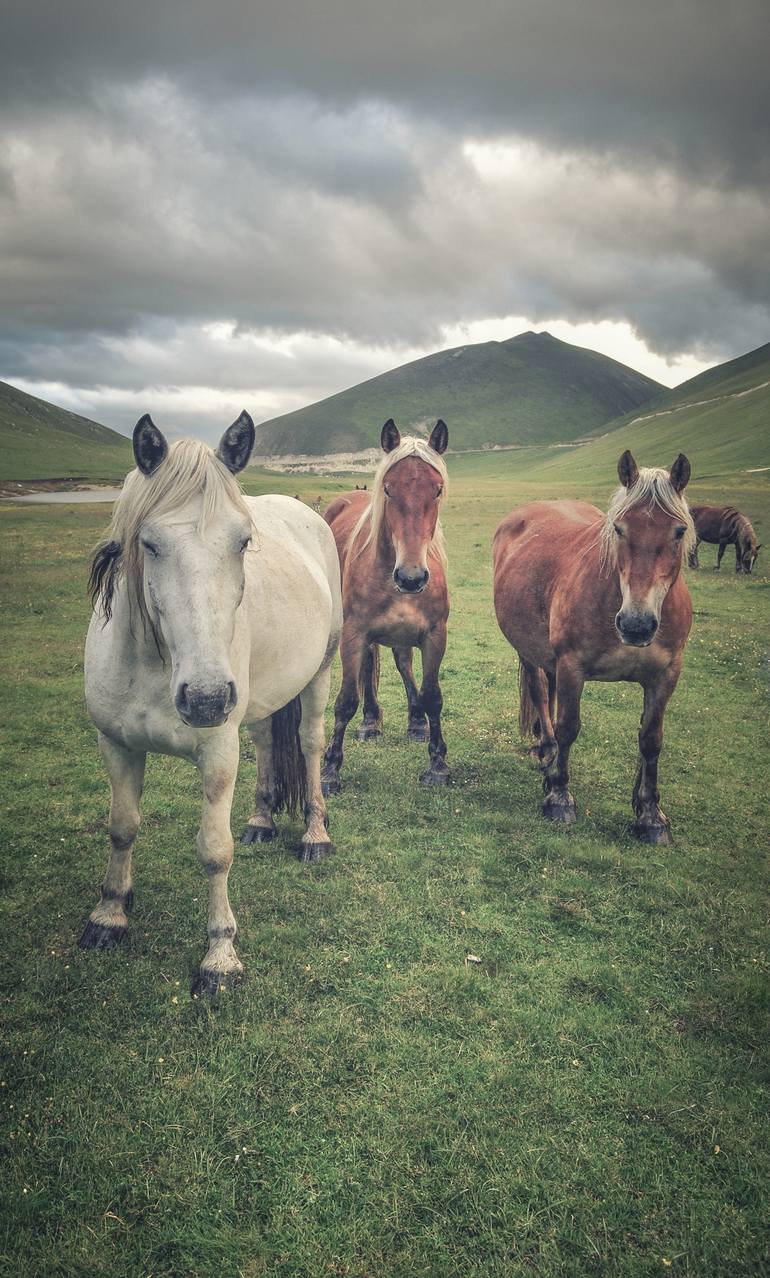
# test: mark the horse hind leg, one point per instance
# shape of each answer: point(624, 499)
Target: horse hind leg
point(417, 724)
point(261, 827)
point(370, 679)
point(316, 842)
point(108, 922)
point(352, 655)
point(537, 692)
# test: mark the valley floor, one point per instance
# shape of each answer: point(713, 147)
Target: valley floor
point(590, 1098)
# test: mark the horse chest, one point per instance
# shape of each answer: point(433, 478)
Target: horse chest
point(401, 623)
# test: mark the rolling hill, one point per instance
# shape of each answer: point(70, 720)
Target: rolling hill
point(40, 441)
point(530, 389)
point(720, 419)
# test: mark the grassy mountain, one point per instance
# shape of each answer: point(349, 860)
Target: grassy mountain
point(720, 419)
point(530, 389)
point(40, 441)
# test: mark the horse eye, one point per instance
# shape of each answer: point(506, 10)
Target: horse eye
point(618, 529)
point(386, 490)
point(680, 531)
point(246, 542)
point(439, 490)
point(151, 548)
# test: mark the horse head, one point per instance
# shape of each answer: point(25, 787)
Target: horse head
point(649, 528)
point(181, 529)
point(412, 489)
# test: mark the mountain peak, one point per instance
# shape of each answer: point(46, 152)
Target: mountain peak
point(530, 389)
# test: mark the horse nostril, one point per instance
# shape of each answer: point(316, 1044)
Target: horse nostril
point(232, 697)
point(182, 704)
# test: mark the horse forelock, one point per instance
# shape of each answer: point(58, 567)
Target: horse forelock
point(370, 520)
point(190, 470)
point(652, 488)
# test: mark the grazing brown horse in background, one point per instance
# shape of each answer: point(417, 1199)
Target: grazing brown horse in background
point(582, 595)
point(394, 592)
point(725, 526)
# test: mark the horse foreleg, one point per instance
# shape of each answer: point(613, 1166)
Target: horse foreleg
point(315, 841)
point(720, 552)
point(261, 828)
point(693, 560)
point(433, 647)
point(417, 726)
point(559, 804)
point(370, 679)
point(652, 825)
point(108, 923)
point(352, 648)
point(218, 764)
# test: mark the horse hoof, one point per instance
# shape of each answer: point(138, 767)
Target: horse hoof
point(258, 834)
point(564, 813)
point(97, 936)
point(312, 853)
point(659, 834)
point(330, 785)
point(367, 732)
point(417, 732)
point(209, 984)
point(435, 777)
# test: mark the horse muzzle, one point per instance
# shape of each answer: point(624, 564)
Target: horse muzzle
point(411, 583)
point(205, 707)
point(636, 630)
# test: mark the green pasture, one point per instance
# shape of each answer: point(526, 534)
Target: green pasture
point(590, 1097)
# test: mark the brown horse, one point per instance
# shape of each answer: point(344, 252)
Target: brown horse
point(582, 595)
point(725, 526)
point(394, 592)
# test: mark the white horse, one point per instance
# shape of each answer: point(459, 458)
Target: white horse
point(211, 609)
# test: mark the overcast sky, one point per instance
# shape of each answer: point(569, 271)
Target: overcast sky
point(205, 207)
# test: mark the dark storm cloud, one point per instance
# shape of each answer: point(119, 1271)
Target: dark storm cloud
point(685, 79)
point(371, 174)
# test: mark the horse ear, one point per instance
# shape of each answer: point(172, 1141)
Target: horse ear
point(150, 447)
point(390, 437)
point(439, 437)
point(680, 473)
point(236, 444)
point(628, 471)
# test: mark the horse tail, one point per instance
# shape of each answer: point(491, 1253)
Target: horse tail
point(527, 713)
point(289, 772)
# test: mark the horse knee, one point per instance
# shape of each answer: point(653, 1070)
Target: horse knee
point(216, 855)
point(123, 830)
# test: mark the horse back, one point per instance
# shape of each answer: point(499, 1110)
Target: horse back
point(715, 523)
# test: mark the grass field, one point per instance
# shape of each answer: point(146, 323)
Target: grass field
point(589, 1099)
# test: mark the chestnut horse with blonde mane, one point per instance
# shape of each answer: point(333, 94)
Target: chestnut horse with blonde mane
point(582, 595)
point(394, 592)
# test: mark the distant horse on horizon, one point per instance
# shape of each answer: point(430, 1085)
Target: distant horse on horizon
point(394, 593)
point(211, 609)
point(582, 595)
point(725, 526)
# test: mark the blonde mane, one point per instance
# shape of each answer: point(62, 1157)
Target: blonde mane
point(190, 469)
point(372, 514)
point(652, 487)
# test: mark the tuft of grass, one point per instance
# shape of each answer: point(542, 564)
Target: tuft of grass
point(589, 1098)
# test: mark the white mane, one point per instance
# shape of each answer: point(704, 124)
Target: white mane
point(371, 516)
point(652, 487)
